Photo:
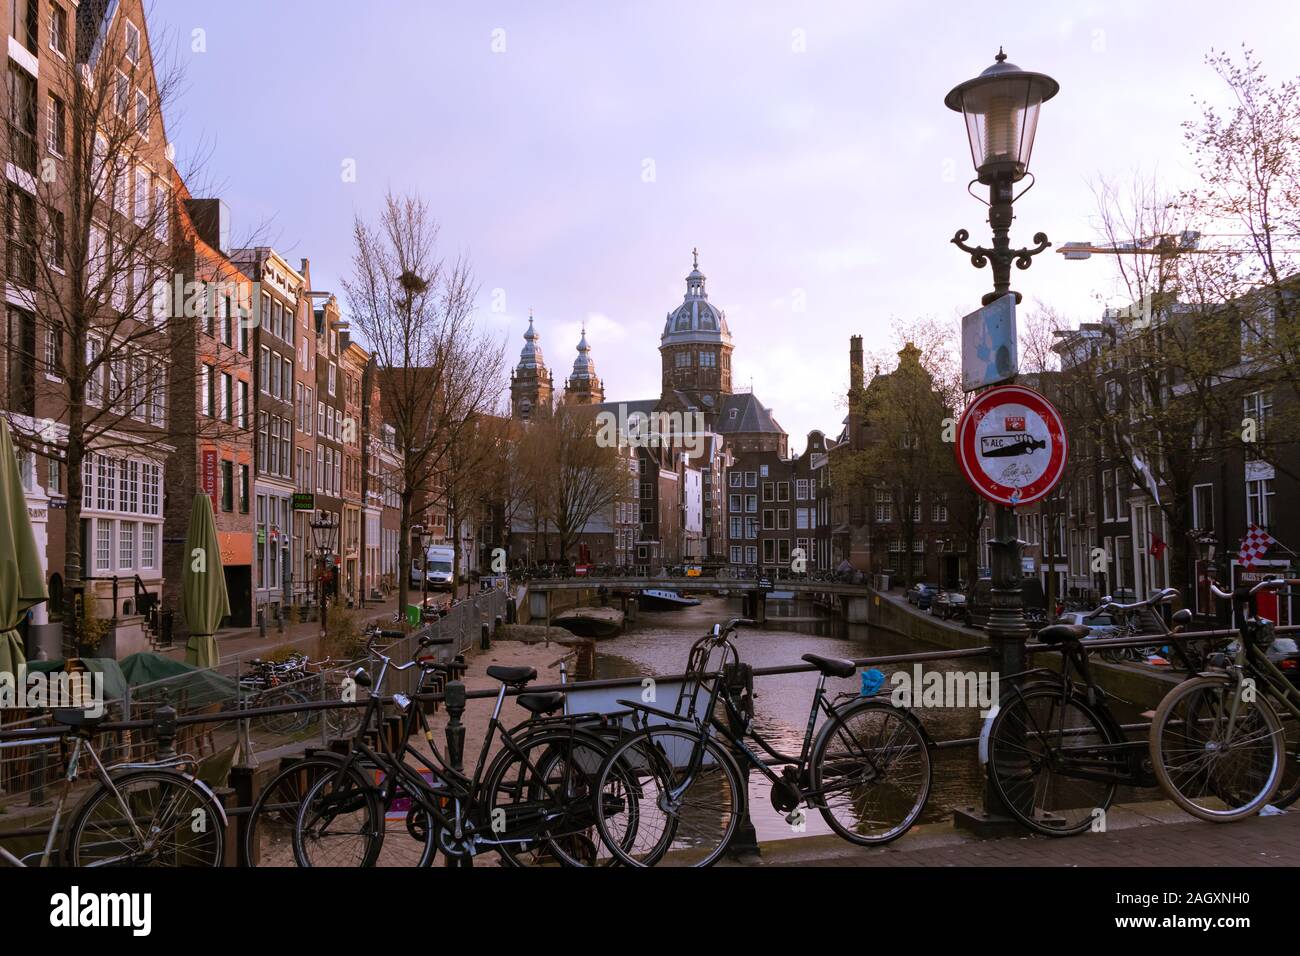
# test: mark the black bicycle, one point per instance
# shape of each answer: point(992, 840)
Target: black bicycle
point(868, 770)
point(1055, 753)
point(533, 803)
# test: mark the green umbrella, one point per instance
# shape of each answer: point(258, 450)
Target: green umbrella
point(203, 585)
point(22, 582)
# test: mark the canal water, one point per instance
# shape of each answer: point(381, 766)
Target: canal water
point(658, 644)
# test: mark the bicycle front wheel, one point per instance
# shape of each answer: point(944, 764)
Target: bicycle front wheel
point(340, 822)
point(871, 772)
point(686, 794)
point(155, 818)
point(1054, 761)
point(1217, 756)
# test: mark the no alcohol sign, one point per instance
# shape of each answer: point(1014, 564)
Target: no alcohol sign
point(1011, 445)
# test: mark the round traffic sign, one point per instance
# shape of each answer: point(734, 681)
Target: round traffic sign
point(1011, 445)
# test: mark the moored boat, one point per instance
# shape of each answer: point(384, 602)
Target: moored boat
point(662, 599)
point(590, 621)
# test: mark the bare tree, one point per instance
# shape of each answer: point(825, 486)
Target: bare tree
point(578, 475)
point(438, 371)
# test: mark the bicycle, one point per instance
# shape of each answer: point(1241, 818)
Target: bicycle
point(1054, 751)
point(531, 803)
point(141, 814)
point(1217, 743)
point(868, 770)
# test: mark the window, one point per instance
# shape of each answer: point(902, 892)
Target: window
point(683, 359)
point(737, 479)
point(122, 94)
point(22, 118)
point(708, 360)
point(227, 486)
point(333, 374)
point(243, 489)
point(735, 554)
point(20, 230)
point(208, 385)
point(142, 179)
point(751, 503)
point(103, 545)
point(56, 126)
point(751, 479)
point(783, 491)
point(768, 491)
point(1259, 502)
point(1107, 495)
point(58, 29)
point(939, 511)
point(1203, 507)
point(769, 519)
point(53, 351)
point(801, 489)
point(737, 528)
point(884, 506)
point(126, 545)
point(148, 554)
point(158, 396)
point(224, 397)
point(1257, 408)
point(264, 385)
point(242, 414)
point(783, 519)
point(132, 42)
point(142, 114)
point(162, 210)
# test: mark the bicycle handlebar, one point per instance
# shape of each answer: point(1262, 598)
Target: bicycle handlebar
point(1271, 584)
point(1164, 595)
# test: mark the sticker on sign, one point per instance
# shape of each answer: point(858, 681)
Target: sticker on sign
point(1011, 445)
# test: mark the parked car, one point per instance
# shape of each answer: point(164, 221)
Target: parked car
point(979, 602)
point(948, 604)
point(921, 594)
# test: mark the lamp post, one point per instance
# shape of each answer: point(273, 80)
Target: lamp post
point(324, 529)
point(1001, 107)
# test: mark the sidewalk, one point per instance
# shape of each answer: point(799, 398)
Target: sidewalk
point(236, 643)
point(1147, 834)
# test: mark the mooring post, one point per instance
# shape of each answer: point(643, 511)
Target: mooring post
point(738, 678)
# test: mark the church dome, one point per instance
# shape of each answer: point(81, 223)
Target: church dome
point(583, 366)
point(696, 320)
point(531, 355)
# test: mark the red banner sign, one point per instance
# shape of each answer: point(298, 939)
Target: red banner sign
point(211, 483)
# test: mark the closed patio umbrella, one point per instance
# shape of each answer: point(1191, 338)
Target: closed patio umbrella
point(203, 585)
point(22, 583)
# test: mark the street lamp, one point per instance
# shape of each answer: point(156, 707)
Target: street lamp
point(324, 530)
point(1001, 107)
point(1001, 110)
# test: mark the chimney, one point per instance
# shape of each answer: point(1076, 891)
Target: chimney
point(855, 363)
point(211, 218)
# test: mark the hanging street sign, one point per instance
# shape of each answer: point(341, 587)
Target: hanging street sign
point(988, 344)
point(1011, 445)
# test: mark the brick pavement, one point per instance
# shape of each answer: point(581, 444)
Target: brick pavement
point(1259, 841)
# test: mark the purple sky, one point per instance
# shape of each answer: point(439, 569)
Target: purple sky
point(804, 148)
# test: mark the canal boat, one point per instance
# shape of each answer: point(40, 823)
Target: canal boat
point(594, 622)
point(662, 599)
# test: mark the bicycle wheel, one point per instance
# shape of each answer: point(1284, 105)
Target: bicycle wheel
point(1288, 790)
point(176, 823)
point(290, 722)
point(340, 822)
point(542, 799)
point(689, 797)
point(1217, 756)
point(871, 772)
point(1043, 750)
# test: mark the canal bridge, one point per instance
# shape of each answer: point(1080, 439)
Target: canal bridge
point(851, 599)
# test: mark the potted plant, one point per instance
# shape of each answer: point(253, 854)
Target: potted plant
point(94, 634)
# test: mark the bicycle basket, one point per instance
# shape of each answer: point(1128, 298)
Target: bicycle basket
point(1261, 633)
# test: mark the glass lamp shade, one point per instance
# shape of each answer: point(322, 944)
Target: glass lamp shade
point(1001, 111)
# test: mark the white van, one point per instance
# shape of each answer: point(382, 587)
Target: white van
point(437, 569)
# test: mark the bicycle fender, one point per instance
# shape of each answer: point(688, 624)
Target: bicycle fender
point(225, 820)
point(985, 730)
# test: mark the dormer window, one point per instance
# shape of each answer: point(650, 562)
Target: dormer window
point(132, 42)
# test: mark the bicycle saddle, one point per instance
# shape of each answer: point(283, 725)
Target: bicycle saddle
point(541, 703)
point(1062, 633)
point(514, 676)
point(831, 666)
point(71, 717)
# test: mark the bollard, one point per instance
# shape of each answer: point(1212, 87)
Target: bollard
point(497, 624)
point(485, 638)
point(261, 621)
point(739, 678)
point(454, 698)
point(512, 612)
point(279, 619)
point(164, 723)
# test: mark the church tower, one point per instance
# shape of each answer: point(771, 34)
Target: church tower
point(530, 382)
point(584, 386)
point(696, 345)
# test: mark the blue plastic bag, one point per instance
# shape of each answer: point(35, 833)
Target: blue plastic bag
point(872, 681)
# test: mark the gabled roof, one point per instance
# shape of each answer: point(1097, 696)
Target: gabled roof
point(751, 416)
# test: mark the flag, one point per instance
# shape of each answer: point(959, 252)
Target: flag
point(1254, 545)
point(1157, 546)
